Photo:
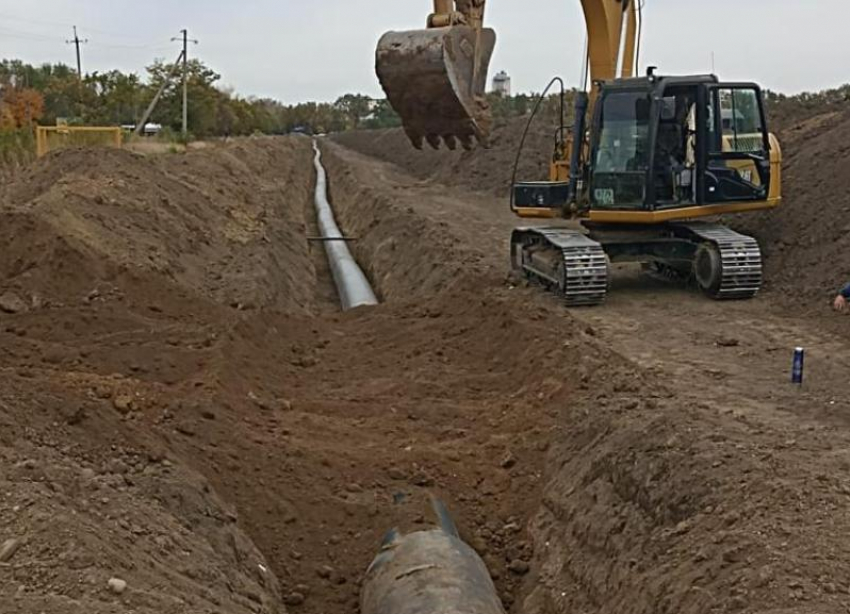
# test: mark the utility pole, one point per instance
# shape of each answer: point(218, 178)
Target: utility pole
point(186, 41)
point(76, 41)
point(140, 125)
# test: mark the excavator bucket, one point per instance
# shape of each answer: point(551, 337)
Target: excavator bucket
point(432, 81)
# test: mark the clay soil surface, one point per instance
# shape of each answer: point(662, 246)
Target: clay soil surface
point(189, 424)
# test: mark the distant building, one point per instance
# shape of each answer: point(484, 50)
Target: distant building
point(502, 84)
point(149, 129)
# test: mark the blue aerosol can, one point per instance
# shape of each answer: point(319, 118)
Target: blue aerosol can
point(799, 366)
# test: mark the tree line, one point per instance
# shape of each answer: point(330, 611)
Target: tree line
point(44, 94)
point(31, 95)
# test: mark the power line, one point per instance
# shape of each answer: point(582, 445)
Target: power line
point(57, 24)
point(40, 36)
point(32, 21)
point(148, 47)
point(26, 35)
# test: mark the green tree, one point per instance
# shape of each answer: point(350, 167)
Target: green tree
point(355, 107)
point(383, 116)
point(203, 97)
point(117, 99)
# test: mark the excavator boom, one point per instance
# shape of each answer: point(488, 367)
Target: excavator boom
point(436, 78)
point(612, 30)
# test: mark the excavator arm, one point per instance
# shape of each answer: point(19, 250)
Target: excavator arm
point(611, 28)
point(436, 78)
point(611, 37)
point(457, 12)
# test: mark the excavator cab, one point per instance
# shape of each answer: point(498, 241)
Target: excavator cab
point(435, 78)
point(663, 144)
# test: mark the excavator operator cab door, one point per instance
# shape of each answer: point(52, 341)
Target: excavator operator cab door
point(734, 156)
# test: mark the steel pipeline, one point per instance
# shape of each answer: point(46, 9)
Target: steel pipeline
point(351, 283)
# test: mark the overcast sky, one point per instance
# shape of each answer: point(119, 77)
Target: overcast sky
point(297, 50)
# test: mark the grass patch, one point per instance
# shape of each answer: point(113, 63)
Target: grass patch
point(17, 148)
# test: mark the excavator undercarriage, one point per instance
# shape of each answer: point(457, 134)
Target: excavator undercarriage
point(575, 265)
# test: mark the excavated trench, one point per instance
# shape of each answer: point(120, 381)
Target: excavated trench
point(651, 496)
point(385, 406)
point(292, 436)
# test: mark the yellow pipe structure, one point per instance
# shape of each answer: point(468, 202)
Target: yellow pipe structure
point(111, 136)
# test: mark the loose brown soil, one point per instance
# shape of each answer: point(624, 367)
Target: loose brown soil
point(184, 408)
point(806, 239)
point(483, 170)
point(695, 478)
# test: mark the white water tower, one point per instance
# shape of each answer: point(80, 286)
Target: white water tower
point(502, 84)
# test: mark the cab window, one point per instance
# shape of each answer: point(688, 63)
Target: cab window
point(742, 128)
point(622, 151)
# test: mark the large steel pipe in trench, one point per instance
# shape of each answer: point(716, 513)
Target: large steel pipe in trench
point(429, 572)
point(351, 283)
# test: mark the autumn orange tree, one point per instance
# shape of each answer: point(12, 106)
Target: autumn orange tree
point(20, 108)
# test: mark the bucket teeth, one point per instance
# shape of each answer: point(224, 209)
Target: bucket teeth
point(431, 81)
point(416, 139)
point(433, 140)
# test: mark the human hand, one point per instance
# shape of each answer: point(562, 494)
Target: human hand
point(840, 303)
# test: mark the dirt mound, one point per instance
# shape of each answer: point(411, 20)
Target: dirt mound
point(80, 219)
point(484, 170)
point(82, 513)
point(805, 240)
point(663, 508)
point(405, 255)
point(120, 273)
point(785, 113)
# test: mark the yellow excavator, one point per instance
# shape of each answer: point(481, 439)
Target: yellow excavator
point(647, 167)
